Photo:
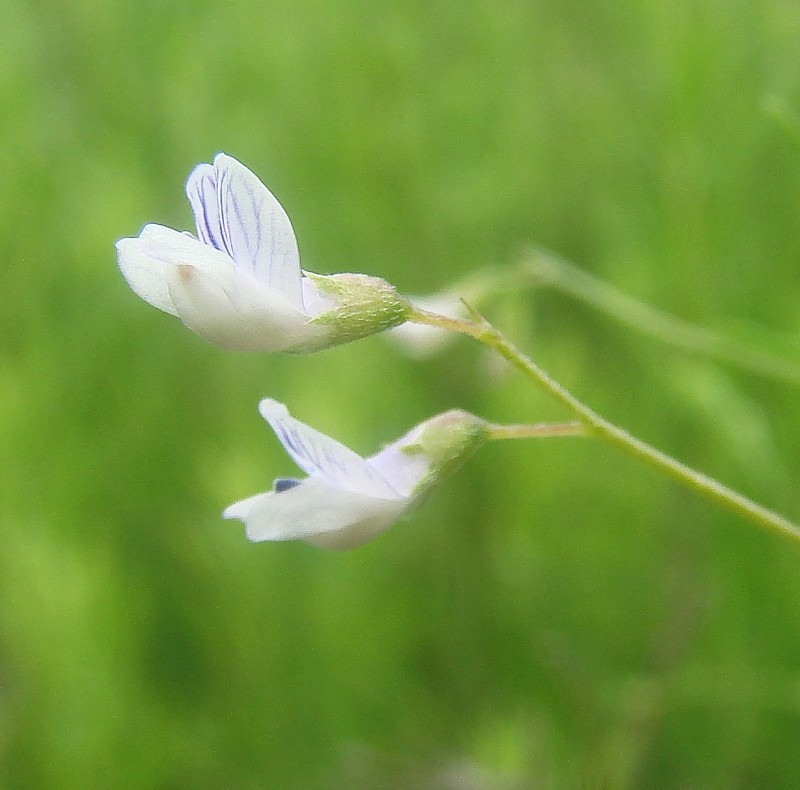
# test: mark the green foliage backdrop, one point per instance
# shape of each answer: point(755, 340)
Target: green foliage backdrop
point(555, 616)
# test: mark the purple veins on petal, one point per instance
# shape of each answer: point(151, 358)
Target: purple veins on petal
point(333, 460)
point(289, 438)
point(312, 457)
point(201, 189)
point(240, 211)
point(321, 456)
point(304, 453)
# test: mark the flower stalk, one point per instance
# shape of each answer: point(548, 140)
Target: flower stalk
point(540, 268)
point(594, 425)
point(540, 430)
point(543, 268)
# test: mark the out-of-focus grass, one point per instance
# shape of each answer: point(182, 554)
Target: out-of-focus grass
point(554, 616)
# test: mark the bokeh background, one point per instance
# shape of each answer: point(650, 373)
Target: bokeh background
point(555, 616)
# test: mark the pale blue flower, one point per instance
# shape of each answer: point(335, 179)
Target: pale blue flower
point(346, 499)
point(239, 283)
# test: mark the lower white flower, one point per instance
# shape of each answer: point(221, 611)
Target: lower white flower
point(346, 500)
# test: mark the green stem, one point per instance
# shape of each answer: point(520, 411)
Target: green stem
point(540, 430)
point(595, 425)
point(545, 268)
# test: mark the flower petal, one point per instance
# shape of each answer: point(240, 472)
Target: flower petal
point(315, 301)
point(433, 448)
point(236, 213)
point(146, 276)
point(316, 512)
point(319, 455)
point(237, 315)
point(201, 189)
point(146, 262)
point(403, 470)
point(173, 247)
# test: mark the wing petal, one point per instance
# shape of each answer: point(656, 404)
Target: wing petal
point(319, 455)
point(147, 261)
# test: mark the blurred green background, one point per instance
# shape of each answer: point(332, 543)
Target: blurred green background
point(555, 616)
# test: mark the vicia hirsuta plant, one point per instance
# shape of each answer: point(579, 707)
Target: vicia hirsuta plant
point(239, 285)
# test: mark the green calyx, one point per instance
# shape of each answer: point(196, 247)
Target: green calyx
point(365, 305)
point(446, 441)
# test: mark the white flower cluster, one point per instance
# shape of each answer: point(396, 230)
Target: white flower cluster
point(239, 285)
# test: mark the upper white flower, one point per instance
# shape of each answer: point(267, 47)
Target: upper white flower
point(239, 283)
point(347, 499)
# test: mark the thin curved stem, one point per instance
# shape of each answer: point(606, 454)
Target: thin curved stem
point(595, 425)
point(546, 268)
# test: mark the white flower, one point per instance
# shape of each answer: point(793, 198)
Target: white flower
point(239, 283)
point(347, 499)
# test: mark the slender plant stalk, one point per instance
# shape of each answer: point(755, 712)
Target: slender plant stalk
point(546, 268)
point(542, 268)
point(540, 430)
point(595, 425)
